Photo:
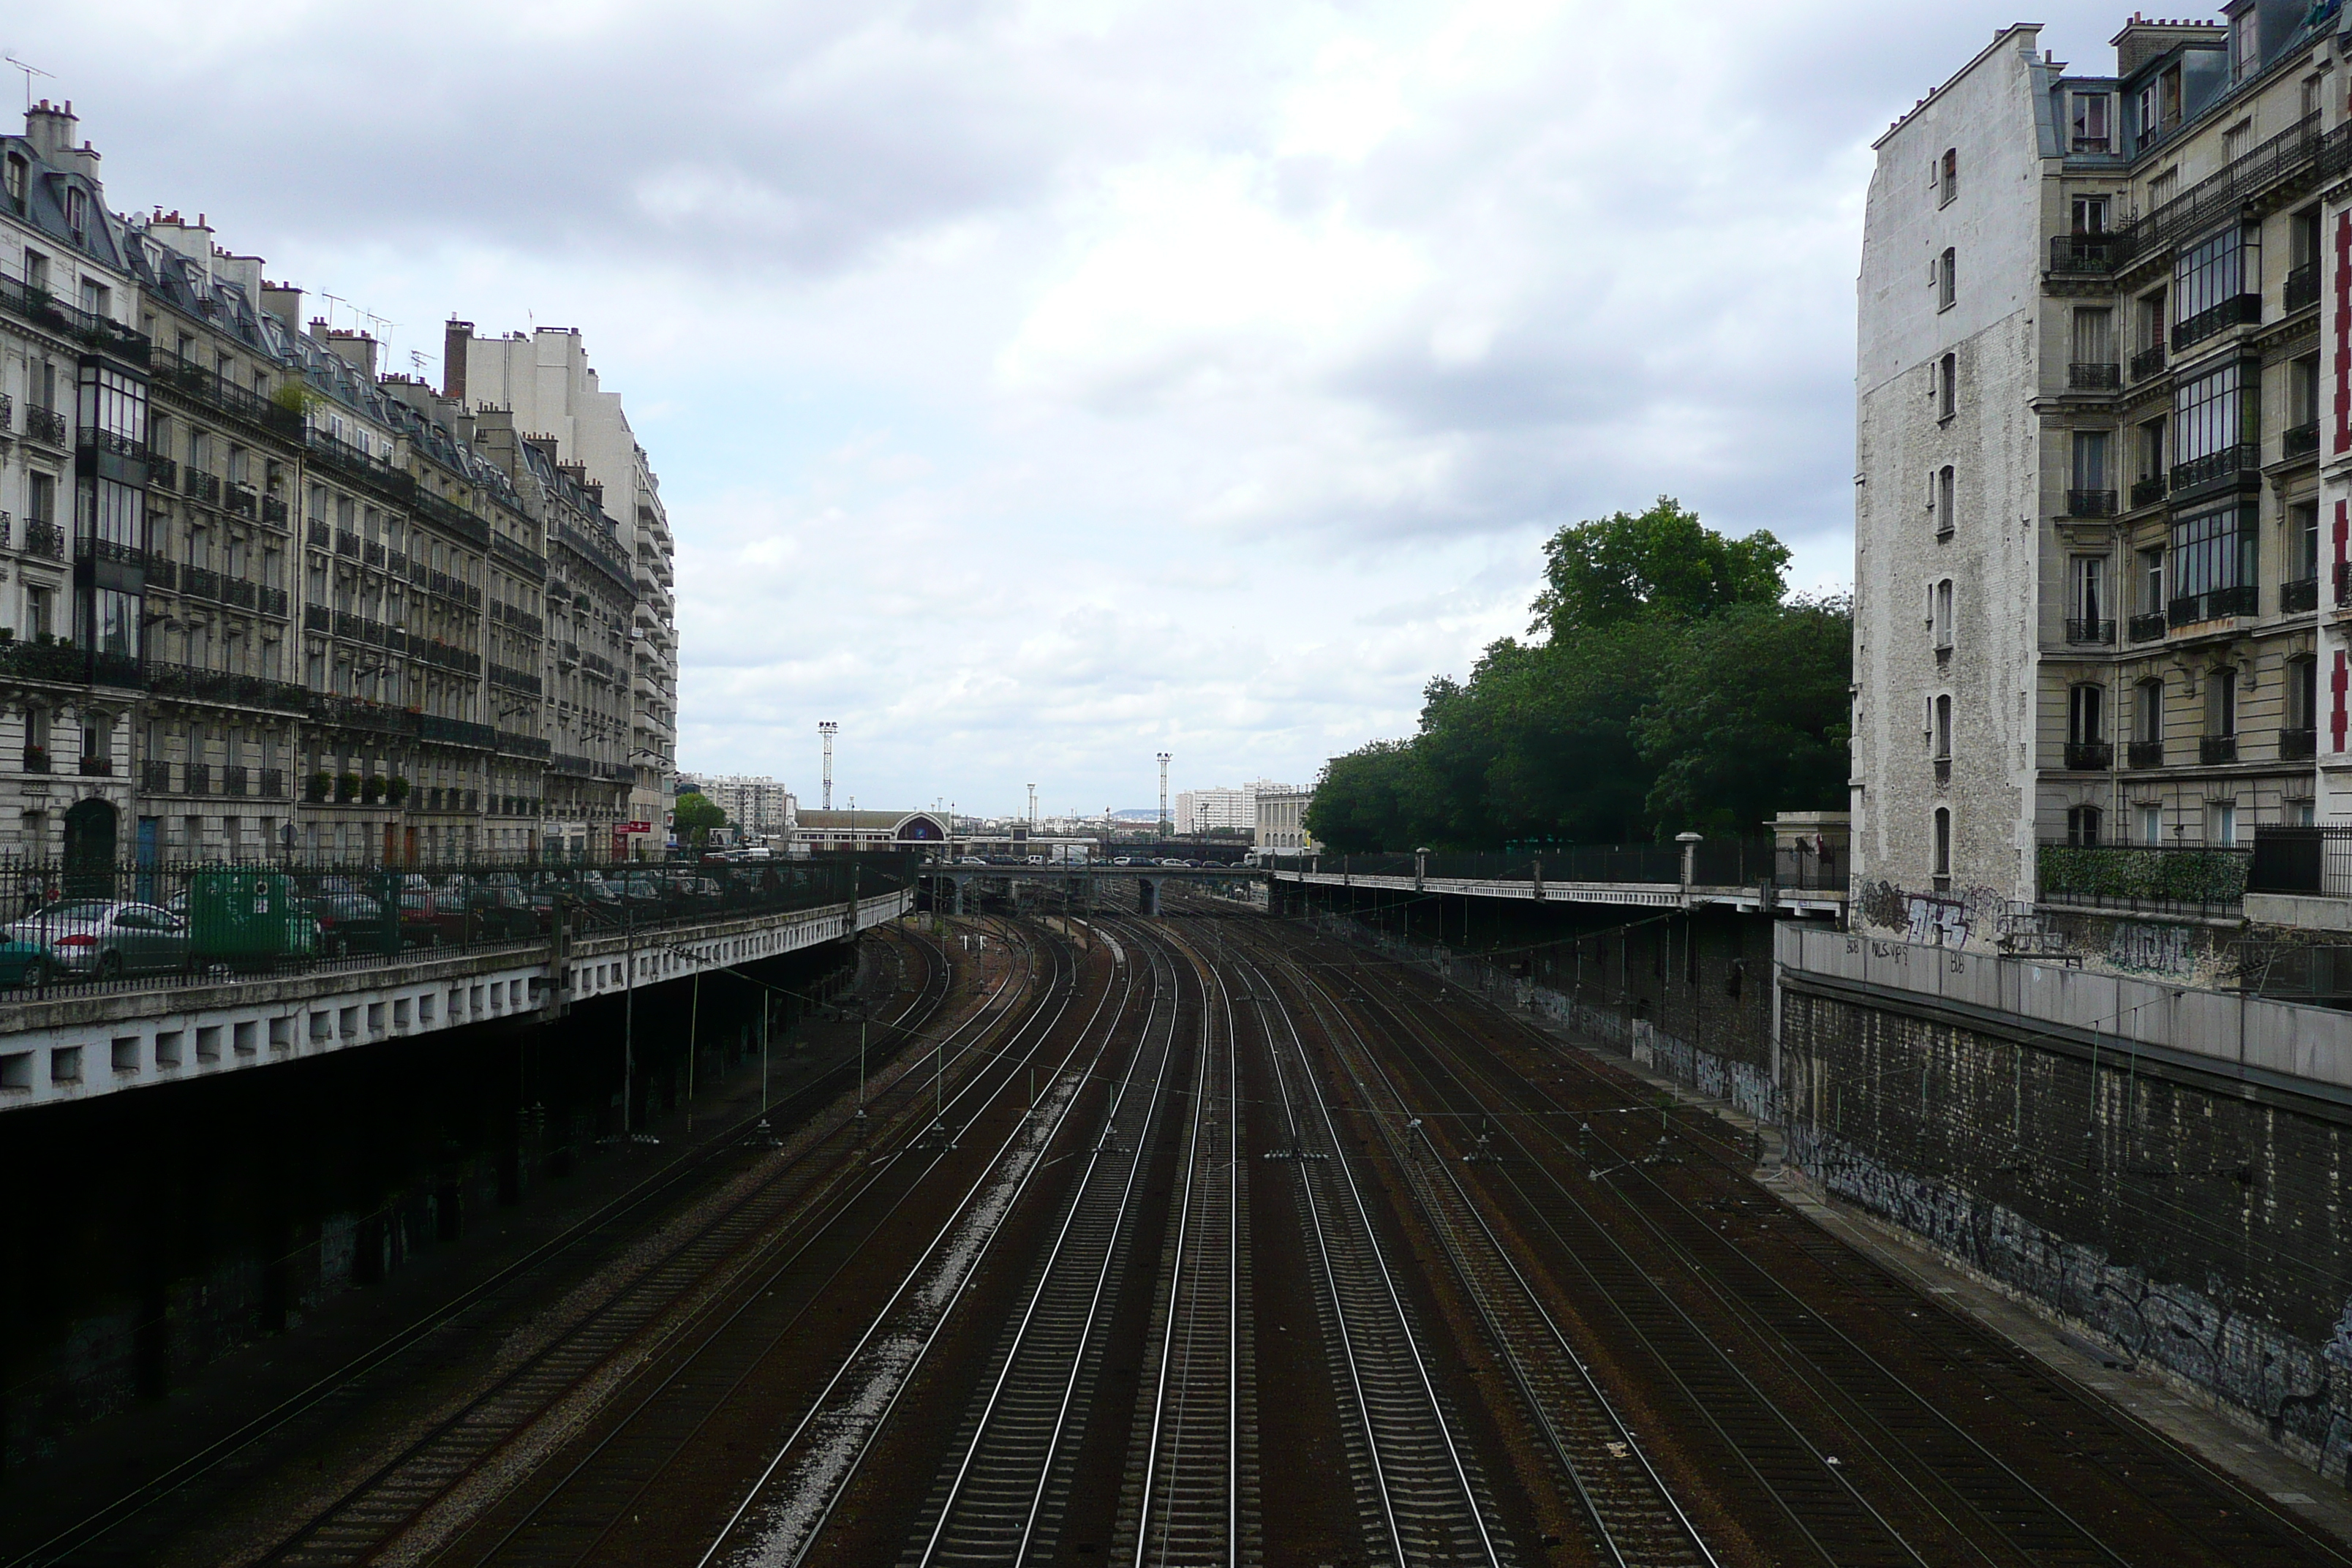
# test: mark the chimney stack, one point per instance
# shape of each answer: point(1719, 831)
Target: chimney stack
point(454, 338)
point(355, 349)
point(284, 301)
point(50, 130)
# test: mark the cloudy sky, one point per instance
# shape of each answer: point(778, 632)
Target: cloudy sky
point(1036, 387)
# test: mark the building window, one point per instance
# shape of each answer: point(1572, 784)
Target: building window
point(2211, 418)
point(19, 175)
point(2302, 694)
point(2086, 715)
point(2212, 552)
point(2151, 822)
point(2090, 461)
point(2090, 122)
point(2222, 704)
point(1939, 499)
point(2209, 277)
point(2094, 341)
point(2221, 824)
point(77, 211)
point(2303, 540)
point(2090, 215)
point(2088, 599)
point(1946, 278)
point(1947, 385)
point(2083, 825)
point(2147, 713)
point(1940, 738)
point(1943, 841)
point(1939, 613)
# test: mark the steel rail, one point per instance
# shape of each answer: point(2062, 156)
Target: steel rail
point(914, 1273)
point(1437, 1410)
point(1109, 1231)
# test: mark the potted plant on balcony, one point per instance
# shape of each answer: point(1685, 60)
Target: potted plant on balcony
point(347, 788)
point(36, 759)
point(372, 789)
point(395, 790)
point(322, 783)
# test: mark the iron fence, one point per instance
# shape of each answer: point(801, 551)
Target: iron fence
point(1714, 863)
point(70, 928)
point(2316, 860)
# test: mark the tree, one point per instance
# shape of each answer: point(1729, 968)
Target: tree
point(1664, 563)
point(1358, 803)
point(1752, 716)
point(697, 815)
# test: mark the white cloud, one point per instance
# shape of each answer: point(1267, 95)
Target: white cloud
point(1036, 387)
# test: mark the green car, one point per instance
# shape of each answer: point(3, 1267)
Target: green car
point(25, 963)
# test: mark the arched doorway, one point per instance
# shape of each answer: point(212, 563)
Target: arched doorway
point(89, 850)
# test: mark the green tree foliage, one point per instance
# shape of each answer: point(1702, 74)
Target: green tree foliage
point(697, 815)
point(1673, 690)
point(1663, 563)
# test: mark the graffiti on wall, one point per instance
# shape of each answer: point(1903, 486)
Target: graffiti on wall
point(2152, 949)
point(1935, 922)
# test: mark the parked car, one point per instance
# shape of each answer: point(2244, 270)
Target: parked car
point(104, 938)
point(349, 922)
point(502, 913)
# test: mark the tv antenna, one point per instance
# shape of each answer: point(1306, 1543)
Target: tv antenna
point(30, 72)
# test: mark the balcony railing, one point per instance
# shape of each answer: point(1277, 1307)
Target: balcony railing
point(2237, 311)
point(36, 758)
point(226, 686)
point(7, 412)
point(233, 778)
point(97, 767)
point(2302, 286)
point(2145, 627)
point(2343, 583)
point(197, 485)
point(2089, 756)
point(347, 543)
point(2090, 503)
point(2147, 491)
point(2093, 376)
point(94, 439)
point(317, 532)
point(273, 510)
point(244, 500)
point(155, 776)
point(2215, 749)
point(2086, 253)
point(223, 395)
point(273, 784)
point(112, 552)
point(2147, 362)
point(2144, 754)
point(2298, 744)
point(163, 572)
point(38, 305)
point(199, 776)
point(449, 515)
point(2224, 466)
point(45, 538)
point(2299, 440)
point(2215, 604)
point(2097, 632)
point(45, 425)
point(2299, 596)
point(162, 473)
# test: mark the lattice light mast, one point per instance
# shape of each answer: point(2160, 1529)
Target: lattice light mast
point(1163, 798)
point(828, 729)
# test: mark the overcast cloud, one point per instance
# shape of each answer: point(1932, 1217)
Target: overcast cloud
point(1038, 387)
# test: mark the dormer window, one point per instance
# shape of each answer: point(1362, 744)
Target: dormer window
point(77, 211)
point(2090, 122)
point(19, 174)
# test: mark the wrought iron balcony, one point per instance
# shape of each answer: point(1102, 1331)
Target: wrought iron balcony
point(2302, 286)
point(233, 779)
point(2212, 749)
point(155, 776)
point(2089, 756)
point(2147, 627)
point(2147, 362)
point(2097, 632)
point(2144, 754)
point(2088, 252)
point(98, 767)
point(2299, 440)
point(162, 474)
point(2094, 376)
point(2298, 745)
point(7, 412)
point(273, 510)
point(2224, 466)
point(318, 533)
point(94, 439)
point(199, 776)
point(45, 538)
point(2237, 311)
point(273, 783)
point(36, 759)
point(2299, 596)
point(112, 552)
point(2090, 503)
point(2215, 604)
point(244, 500)
point(201, 486)
point(2147, 491)
point(347, 543)
point(45, 425)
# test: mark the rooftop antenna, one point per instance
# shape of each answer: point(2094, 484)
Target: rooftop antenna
point(828, 729)
point(332, 301)
point(30, 72)
point(1163, 796)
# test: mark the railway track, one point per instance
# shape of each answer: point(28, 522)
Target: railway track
point(1419, 1491)
point(800, 1186)
point(119, 1531)
point(788, 1505)
point(1978, 1496)
point(1191, 1461)
point(1633, 1515)
point(1001, 1498)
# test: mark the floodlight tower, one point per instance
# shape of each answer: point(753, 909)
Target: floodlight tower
point(828, 729)
point(1163, 798)
point(1033, 808)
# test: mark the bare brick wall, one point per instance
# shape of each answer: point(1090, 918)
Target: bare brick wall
point(2194, 1226)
